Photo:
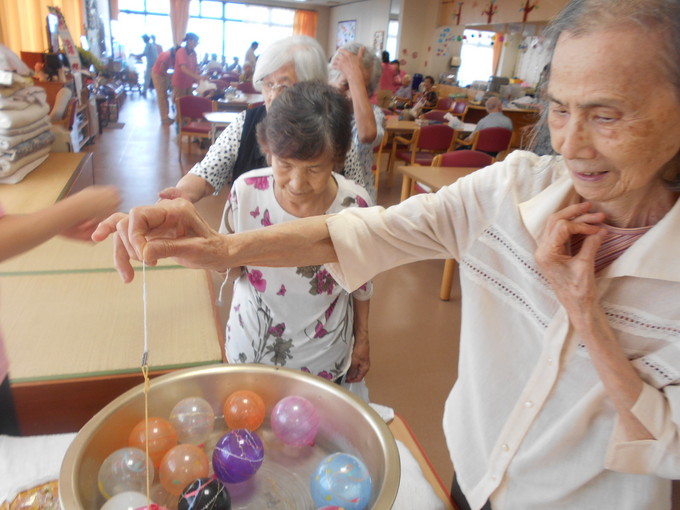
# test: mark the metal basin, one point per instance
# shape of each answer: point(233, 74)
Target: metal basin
point(347, 425)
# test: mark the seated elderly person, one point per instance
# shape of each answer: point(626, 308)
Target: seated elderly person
point(236, 151)
point(404, 94)
point(355, 71)
point(493, 119)
point(569, 398)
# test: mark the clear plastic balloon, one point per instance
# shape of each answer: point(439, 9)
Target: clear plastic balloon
point(181, 465)
point(342, 480)
point(244, 409)
point(295, 421)
point(128, 500)
point(237, 456)
point(162, 437)
point(193, 419)
point(124, 470)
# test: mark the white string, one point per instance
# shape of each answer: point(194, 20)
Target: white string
point(224, 282)
point(145, 354)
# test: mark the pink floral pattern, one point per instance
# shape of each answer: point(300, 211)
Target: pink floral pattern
point(260, 183)
point(256, 280)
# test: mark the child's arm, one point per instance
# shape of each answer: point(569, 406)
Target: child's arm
point(75, 216)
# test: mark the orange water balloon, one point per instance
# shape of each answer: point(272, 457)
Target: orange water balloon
point(182, 465)
point(162, 437)
point(244, 409)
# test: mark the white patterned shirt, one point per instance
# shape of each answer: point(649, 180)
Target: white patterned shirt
point(528, 422)
point(295, 317)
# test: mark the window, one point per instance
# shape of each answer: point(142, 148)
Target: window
point(476, 57)
point(223, 28)
point(392, 35)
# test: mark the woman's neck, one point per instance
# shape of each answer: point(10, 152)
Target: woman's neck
point(643, 214)
point(313, 205)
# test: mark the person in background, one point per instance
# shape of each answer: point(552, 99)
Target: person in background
point(403, 96)
point(386, 86)
point(234, 67)
point(247, 74)
point(568, 399)
point(251, 58)
point(398, 75)
point(159, 48)
point(186, 68)
point(213, 66)
point(161, 82)
point(355, 71)
point(429, 95)
point(75, 217)
point(150, 53)
point(494, 118)
point(293, 59)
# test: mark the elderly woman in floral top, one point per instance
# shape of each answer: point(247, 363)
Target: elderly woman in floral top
point(298, 317)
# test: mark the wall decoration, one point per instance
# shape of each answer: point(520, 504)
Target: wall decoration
point(379, 40)
point(490, 10)
point(527, 8)
point(445, 38)
point(347, 32)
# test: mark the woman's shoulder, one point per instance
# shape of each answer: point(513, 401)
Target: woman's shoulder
point(260, 179)
point(350, 194)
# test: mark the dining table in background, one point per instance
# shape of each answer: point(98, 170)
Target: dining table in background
point(435, 178)
point(239, 102)
point(218, 120)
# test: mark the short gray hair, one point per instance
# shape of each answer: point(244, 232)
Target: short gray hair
point(303, 51)
point(370, 61)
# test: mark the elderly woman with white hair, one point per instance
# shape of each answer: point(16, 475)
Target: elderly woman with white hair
point(236, 151)
point(355, 71)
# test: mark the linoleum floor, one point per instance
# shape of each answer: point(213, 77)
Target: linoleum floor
point(413, 334)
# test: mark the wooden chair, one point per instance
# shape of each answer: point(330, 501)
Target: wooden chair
point(444, 103)
point(425, 144)
point(492, 140)
point(459, 109)
point(464, 158)
point(377, 162)
point(190, 121)
point(435, 115)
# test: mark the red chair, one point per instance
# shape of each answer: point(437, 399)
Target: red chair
point(426, 142)
point(444, 103)
point(459, 109)
point(463, 158)
point(435, 115)
point(246, 87)
point(492, 140)
point(190, 121)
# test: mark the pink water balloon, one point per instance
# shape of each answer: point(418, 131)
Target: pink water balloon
point(295, 421)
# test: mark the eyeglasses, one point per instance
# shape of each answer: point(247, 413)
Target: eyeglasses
point(271, 86)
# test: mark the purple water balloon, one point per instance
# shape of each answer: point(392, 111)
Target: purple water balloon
point(237, 456)
point(295, 421)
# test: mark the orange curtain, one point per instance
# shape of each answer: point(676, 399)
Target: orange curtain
point(24, 23)
point(179, 19)
point(113, 8)
point(497, 50)
point(305, 23)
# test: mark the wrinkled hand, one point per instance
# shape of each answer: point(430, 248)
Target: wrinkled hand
point(361, 361)
point(571, 276)
point(170, 228)
point(350, 65)
point(172, 193)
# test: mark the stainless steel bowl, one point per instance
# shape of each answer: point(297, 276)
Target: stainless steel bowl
point(347, 424)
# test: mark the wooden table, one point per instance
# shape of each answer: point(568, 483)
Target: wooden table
point(403, 433)
point(435, 178)
point(74, 332)
point(218, 120)
point(239, 102)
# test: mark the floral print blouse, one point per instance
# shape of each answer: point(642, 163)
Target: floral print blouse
point(293, 317)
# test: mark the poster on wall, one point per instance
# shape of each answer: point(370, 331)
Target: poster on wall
point(379, 40)
point(347, 32)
